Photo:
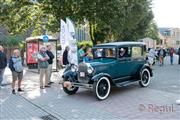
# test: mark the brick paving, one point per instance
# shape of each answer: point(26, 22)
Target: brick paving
point(156, 102)
point(14, 107)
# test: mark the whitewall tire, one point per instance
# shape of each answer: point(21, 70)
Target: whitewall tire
point(102, 88)
point(144, 78)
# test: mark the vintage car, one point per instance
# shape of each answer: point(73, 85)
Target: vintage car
point(114, 64)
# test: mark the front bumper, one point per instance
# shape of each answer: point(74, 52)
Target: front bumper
point(82, 85)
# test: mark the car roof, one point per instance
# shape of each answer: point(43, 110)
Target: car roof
point(115, 44)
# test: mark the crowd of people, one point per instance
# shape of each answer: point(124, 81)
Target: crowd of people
point(45, 60)
point(84, 55)
point(160, 54)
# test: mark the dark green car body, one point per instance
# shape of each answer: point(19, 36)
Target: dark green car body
point(120, 62)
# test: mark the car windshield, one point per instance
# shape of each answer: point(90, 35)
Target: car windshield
point(104, 53)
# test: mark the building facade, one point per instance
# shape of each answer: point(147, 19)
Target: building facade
point(149, 42)
point(170, 37)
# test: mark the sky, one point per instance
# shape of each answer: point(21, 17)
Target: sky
point(166, 13)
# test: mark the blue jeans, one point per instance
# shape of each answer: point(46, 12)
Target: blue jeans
point(171, 59)
point(1, 75)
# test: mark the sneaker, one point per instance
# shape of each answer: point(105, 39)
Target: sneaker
point(47, 86)
point(20, 90)
point(13, 92)
point(178, 102)
point(50, 83)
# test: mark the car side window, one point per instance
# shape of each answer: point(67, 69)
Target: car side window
point(124, 52)
point(110, 52)
point(98, 53)
point(136, 51)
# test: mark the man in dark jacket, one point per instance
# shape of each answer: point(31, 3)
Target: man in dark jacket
point(65, 60)
point(3, 64)
point(50, 61)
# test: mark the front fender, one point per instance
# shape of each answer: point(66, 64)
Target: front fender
point(98, 76)
point(69, 75)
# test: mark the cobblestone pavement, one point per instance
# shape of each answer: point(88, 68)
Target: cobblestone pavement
point(156, 102)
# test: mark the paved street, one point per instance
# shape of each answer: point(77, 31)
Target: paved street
point(156, 102)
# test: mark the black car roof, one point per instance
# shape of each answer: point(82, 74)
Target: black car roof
point(111, 44)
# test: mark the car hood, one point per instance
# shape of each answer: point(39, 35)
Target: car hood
point(101, 61)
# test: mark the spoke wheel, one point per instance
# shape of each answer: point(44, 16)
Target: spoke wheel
point(145, 78)
point(102, 88)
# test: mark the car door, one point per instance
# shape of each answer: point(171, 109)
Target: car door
point(124, 62)
point(138, 58)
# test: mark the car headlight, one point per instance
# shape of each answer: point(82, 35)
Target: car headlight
point(90, 70)
point(74, 68)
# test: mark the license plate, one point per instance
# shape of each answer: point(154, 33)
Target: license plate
point(82, 74)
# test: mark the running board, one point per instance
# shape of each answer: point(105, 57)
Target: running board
point(126, 83)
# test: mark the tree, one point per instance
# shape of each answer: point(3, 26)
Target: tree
point(152, 31)
point(20, 17)
point(118, 19)
point(108, 19)
point(13, 41)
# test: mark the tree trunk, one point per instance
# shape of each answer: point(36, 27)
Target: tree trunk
point(91, 32)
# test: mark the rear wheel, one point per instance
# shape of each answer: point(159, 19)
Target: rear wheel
point(70, 90)
point(102, 88)
point(145, 78)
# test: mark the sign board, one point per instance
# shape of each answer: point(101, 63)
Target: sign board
point(32, 48)
point(45, 38)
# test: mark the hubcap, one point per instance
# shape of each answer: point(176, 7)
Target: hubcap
point(103, 88)
point(145, 77)
point(71, 88)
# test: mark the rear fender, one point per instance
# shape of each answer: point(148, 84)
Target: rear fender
point(148, 67)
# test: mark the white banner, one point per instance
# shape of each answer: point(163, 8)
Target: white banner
point(64, 35)
point(72, 42)
point(71, 27)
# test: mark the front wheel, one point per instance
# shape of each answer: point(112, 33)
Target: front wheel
point(102, 88)
point(144, 78)
point(70, 90)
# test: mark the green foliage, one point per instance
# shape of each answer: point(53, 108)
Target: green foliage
point(118, 20)
point(15, 42)
point(85, 43)
point(109, 20)
point(19, 17)
point(152, 31)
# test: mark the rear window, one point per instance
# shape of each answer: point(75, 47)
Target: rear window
point(136, 51)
